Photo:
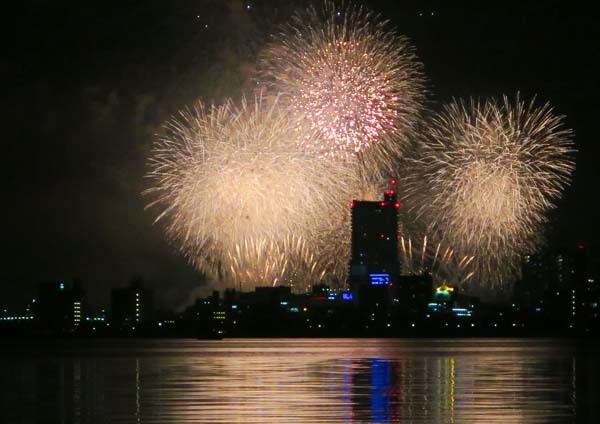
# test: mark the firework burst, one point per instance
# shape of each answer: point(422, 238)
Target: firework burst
point(231, 186)
point(486, 176)
point(344, 75)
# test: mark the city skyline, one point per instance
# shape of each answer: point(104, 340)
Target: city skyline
point(85, 111)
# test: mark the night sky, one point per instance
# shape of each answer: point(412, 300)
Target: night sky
point(87, 86)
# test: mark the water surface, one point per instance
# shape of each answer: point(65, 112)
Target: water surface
point(300, 380)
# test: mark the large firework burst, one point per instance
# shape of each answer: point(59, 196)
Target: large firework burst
point(346, 76)
point(486, 175)
point(232, 186)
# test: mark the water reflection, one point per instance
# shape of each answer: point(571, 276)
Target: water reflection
point(257, 381)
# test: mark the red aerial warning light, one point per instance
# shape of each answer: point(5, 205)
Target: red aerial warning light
point(390, 192)
point(393, 182)
point(397, 205)
point(382, 203)
point(351, 204)
point(381, 235)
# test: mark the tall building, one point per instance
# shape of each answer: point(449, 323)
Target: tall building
point(131, 306)
point(559, 284)
point(60, 307)
point(584, 294)
point(374, 257)
point(374, 263)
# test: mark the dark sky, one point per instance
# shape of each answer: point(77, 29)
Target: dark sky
point(87, 85)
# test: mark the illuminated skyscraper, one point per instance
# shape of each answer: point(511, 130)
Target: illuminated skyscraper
point(374, 256)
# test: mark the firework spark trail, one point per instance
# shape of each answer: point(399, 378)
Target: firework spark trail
point(486, 175)
point(418, 255)
point(228, 176)
point(258, 262)
point(346, 76)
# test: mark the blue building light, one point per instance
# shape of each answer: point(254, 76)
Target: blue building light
point(347, 296)
point(461, 312)
point(379, 279)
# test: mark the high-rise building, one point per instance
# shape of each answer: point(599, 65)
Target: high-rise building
point(131, 306)
point(559, 284)
point(374, 257)
point(583, 293)
point(60, 307)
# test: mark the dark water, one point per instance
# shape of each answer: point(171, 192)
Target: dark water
point(301, 380)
